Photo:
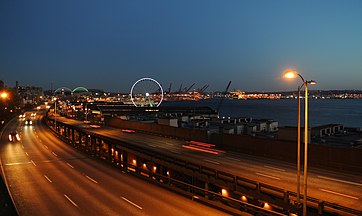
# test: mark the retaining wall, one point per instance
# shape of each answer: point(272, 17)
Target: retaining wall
point(322, 156)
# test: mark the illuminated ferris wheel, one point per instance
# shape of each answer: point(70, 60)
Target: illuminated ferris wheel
point(146, 92)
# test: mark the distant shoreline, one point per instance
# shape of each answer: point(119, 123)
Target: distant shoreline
point(321, 111)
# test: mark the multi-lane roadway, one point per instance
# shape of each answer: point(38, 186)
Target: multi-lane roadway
point(335, 187)
point(47, 177)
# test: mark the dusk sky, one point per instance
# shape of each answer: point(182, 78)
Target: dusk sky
point(111, 44)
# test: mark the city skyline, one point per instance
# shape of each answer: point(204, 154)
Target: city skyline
point(111, 45)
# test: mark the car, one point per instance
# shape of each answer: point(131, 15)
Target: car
point(14, 136)
point(28, 122)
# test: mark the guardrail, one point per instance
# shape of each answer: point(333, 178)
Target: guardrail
point(268, 193)
point(193, 191)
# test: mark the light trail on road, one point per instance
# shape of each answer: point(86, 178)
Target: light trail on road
point(89, 186)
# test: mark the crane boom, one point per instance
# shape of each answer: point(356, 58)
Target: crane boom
point(169, 88)
point(222, 98)
point(188, 89)
point(204, 88)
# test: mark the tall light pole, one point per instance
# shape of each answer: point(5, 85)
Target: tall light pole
point(55, 113)
point(290, 75)
point(298, 151)
point(86, 111)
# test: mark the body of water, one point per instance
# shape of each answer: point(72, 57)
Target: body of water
point(328, 111)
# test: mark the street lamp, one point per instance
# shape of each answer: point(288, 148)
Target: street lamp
point(4, 95)
point(291, 74)
point(86, 111)
point(55, 113)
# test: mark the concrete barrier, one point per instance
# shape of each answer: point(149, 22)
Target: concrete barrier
point(321, 156)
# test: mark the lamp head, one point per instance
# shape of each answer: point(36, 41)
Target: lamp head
point(4, 95)
point(290, 74)
point(312, 82)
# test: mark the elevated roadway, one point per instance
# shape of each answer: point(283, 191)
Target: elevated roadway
point(47, 177)
point(335, 187)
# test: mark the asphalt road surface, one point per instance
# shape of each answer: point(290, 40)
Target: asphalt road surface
point(335, 187)
point(48, 177)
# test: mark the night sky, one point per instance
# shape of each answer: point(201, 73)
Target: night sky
point(111, 44)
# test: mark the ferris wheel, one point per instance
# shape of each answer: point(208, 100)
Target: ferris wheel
point(146, 92)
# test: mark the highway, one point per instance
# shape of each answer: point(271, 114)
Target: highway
point(48, 177)
point(335, 187)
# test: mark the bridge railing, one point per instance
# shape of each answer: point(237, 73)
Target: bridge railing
point(271, 194)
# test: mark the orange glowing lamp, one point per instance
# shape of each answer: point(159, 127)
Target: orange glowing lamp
point(290, 74)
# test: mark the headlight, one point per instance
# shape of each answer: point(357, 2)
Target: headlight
point(10, 138)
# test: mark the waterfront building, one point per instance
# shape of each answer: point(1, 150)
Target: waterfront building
point(327, 130)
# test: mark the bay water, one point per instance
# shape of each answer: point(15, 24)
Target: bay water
point(321, 111)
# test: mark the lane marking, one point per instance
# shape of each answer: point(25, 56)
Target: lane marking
point(274, 168)
point(54, 154)
point(70, 165)
point(235, 159)
point(11, 164)
point(134, 204)
point(70, 200)
point(340, 194)
point(46, 147)
point(26, 153)
point(91, 179)
point(268, 176)
point(210, 161)
point(48, 179)
point(339, 180)
point(22, 146)
point(32, 162)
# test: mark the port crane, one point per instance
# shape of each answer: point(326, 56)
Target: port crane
point(222, 97)
point(169, 88)
point(202, 89)
point(188, 89)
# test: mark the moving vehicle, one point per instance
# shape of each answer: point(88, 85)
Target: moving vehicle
point(14, 136)
point(28, 122)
